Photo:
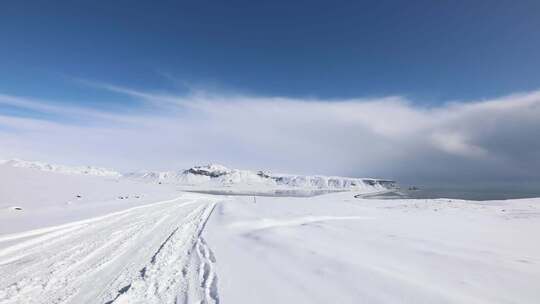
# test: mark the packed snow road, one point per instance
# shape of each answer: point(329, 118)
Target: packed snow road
point(147, 254)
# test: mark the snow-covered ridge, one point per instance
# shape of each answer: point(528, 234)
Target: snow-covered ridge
point(75, 170)
point(219, 176)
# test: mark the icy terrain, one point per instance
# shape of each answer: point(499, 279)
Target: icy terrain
point(82, 238)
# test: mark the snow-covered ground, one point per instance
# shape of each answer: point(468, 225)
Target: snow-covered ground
point(141, 254)
point(126, 241)
point(47, 198)
point(79, 170)
point(337, 249)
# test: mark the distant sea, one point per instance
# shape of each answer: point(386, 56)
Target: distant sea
point(467, 193)
point(477, 193)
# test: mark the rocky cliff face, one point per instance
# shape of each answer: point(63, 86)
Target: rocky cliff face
point(220, 176)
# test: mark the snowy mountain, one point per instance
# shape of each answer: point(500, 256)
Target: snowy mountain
point(219, 176)
point(76, 170)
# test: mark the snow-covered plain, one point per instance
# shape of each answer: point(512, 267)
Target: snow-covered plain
point(337, 249)
point(49, 198)
point(127, 241)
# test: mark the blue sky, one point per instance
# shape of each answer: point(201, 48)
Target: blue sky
point(412, 90)
point(429, 51)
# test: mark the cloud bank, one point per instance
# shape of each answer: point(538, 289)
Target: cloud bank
point(488, 140)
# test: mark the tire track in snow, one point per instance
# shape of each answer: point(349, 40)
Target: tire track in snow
point(169, 268)
point(105, 259)
point(207, 275)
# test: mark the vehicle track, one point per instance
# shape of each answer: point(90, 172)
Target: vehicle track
point(207, 276)
point(139, 255)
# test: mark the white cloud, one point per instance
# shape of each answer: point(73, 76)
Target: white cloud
point(389, 137)
point(456, 143)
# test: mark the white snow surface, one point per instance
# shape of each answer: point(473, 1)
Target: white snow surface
point(124, 241)
point(77, 170)
point(337, 249)
point(50, 198)
point(139, 255)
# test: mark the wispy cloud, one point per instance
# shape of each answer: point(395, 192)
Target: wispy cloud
point(389, 137)
point(65, 110)
point(154, 99)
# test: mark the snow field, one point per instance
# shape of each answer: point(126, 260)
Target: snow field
point(140, 255)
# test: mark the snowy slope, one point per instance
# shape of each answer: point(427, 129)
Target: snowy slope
point(337, 249)
point(77, 170)
point(217, 176)
point(47, 197)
